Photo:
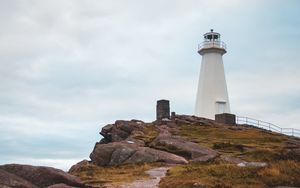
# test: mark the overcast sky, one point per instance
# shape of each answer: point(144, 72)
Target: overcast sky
point(69, 67)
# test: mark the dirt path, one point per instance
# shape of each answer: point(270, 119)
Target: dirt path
point(155, 175)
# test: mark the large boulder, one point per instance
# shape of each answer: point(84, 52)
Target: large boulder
point(146, 154)
point(121, 145)
point(184, 148)
point(8, 180)
point(42, 176)
point(117, 153)
point(177, 145)
point(120, 130)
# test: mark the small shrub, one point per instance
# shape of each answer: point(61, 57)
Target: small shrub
point(228, 146)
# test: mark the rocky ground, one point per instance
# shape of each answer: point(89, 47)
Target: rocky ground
point(130, 149)
point(26, 176)
point(128, 142)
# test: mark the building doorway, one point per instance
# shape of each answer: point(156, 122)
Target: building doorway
point(221, 107)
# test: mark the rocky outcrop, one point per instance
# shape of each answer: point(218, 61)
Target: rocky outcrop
point(121, 130)
point(127, 142)
point(189, 150)
point(117, 153)
point(40, 176)
point(10, 180)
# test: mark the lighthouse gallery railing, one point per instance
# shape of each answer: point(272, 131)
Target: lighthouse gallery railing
point(267, 126)
point(211, 44)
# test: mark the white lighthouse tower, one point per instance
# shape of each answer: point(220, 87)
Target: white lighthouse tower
point(212, 96)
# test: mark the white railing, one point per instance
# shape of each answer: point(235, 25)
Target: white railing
point(267, 126)
point(211, 44)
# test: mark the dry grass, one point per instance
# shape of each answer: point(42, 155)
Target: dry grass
point(96, 176)
point(237, 135)
point(235, 141)
point(230, 175)
point(281, 173)
point(249, 144)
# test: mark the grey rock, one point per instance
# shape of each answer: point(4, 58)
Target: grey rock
point(120, 130)
point(145, 154)
point(190, 150)
point(138, 142)
point(121, 154)
point(101, 155)
point(42, 176)
point(117, 153)
point(8, 180)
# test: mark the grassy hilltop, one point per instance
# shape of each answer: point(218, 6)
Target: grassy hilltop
point(234, 144)
point(249, 144)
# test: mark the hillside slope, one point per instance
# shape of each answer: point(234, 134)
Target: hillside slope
point(202, 152)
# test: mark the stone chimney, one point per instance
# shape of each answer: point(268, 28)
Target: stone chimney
point(162, 109)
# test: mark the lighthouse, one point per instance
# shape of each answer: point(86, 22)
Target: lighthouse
point(212, 95)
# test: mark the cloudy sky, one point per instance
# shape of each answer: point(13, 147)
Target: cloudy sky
point(69, 67)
